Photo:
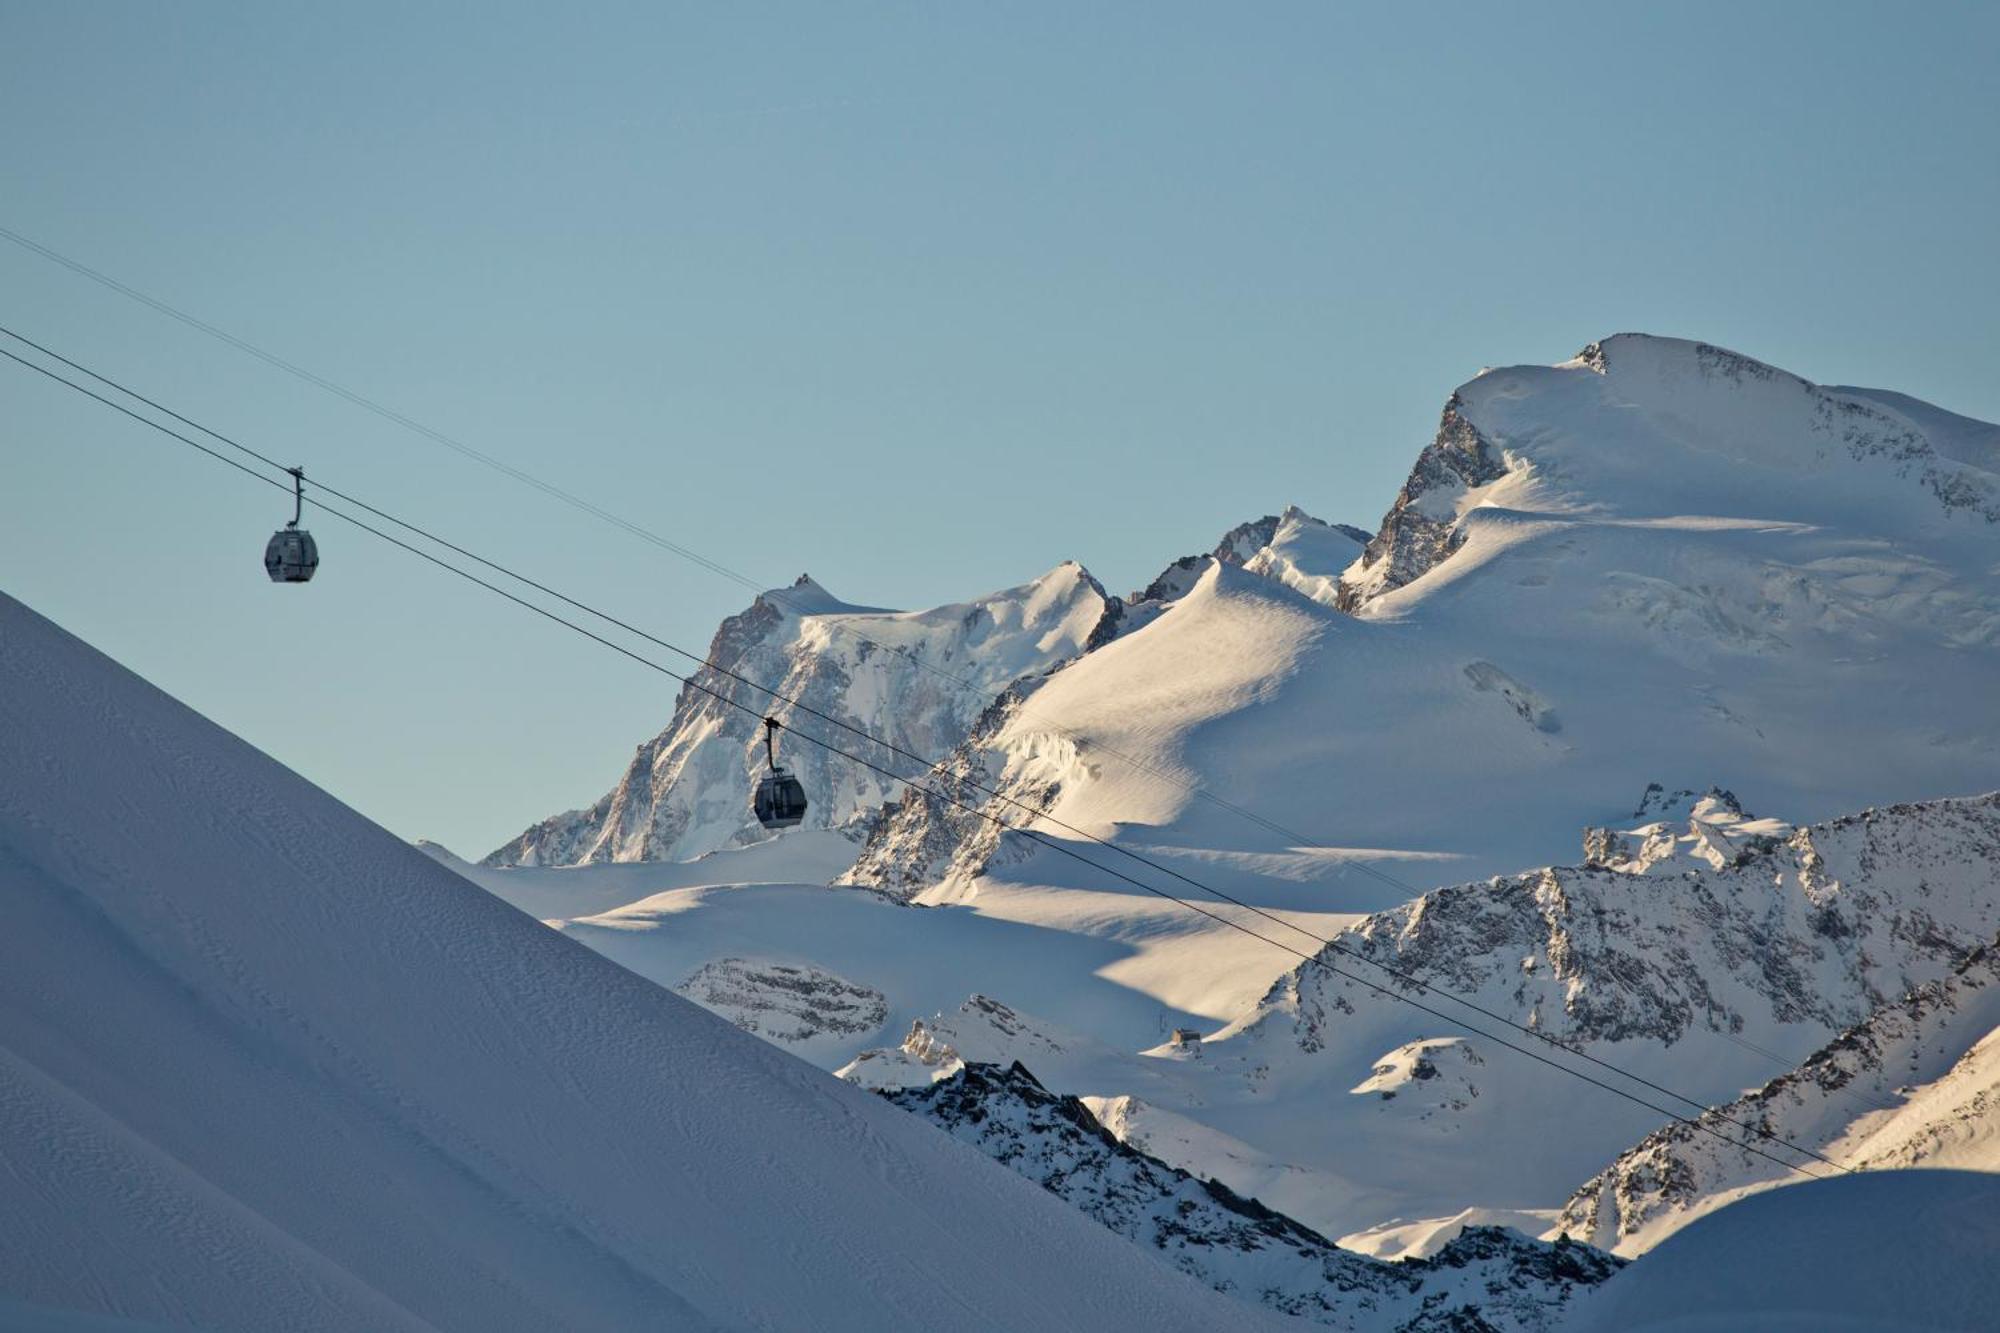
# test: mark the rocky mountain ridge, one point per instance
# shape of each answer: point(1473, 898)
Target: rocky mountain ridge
point(1486, 1280)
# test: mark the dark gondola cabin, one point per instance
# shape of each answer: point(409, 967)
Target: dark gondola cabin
point(780, 799)
point(291, 555)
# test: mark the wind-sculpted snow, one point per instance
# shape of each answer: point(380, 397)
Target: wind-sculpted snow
point(1916, 1084)
point(1484, 1279)
point(264, 1066)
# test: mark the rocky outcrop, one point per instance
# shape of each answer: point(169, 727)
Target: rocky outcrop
point(1865, 430)
point(1421, 530)
point(787, 1004)
point(947, 829)
point(1730, 936)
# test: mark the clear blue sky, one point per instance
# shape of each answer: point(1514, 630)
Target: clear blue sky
point(923, 299)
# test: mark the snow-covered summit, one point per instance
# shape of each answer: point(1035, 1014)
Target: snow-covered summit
point(1307, 555)
point(806, 596)
point(1639, 428)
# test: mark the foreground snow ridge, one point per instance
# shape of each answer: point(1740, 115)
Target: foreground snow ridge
point(1878, 1252)
point(262, 1066)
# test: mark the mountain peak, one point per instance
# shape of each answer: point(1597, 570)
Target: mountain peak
point(806, 596)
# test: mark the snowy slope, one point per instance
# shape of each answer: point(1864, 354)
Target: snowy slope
point(915, 680)
point(1708, 954)
point(263, 1066)
point(1915, 1085)
point(1485, 1282)
point(1880, 1252)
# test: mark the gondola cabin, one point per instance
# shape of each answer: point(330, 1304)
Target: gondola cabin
point(291, 555)
point(779, 800)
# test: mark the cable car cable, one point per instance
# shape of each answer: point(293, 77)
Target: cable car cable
point(1421, 985)
point(646, 534)
point(1425, 987)
point(638, 530)
point(1408, 978)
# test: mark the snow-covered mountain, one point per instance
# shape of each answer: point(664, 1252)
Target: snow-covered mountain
point(924, 682)
point(1618, 601)
point(1659, 563)
point(913, 680)
point(1485, 1280)
point(264, 1066)
point(1706, 955)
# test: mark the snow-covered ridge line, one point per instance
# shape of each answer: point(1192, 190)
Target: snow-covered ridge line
point(1955, 458)
point(1661, 560)
point(1692, 515)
